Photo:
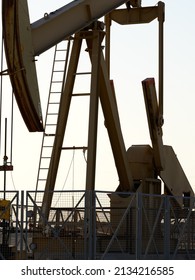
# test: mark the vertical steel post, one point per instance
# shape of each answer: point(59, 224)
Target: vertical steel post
point(17, 221)
point(95, 50)
point(107, 49)
point(94, 47)
point(138, 236)
point(5, 160)
point(167, 220)
point(21, 225)
point(90, 225)
point(161, 19)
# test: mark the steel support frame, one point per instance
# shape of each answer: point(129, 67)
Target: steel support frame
point(95, 50)
point(100, 88)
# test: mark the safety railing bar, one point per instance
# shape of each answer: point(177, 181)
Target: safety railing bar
point(153, 229)
point(119, 225)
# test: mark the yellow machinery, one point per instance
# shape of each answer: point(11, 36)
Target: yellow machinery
point(5, 227)
point(5, 209)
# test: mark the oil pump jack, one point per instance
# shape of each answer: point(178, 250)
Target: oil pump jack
point(141, 168)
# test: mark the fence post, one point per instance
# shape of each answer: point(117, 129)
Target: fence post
point(166, 228)
point(21, 224)
point(90, 225)
point(138, 233)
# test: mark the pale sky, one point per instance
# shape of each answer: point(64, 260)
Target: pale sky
point(134, 57)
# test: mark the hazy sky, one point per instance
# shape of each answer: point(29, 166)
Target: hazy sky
point(134, 57)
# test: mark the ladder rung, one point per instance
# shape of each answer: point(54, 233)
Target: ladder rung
point(44, 168)
point(50, 124)
point(52, 114)
point(82, 73)
point(58, 71)
point(46, 157)
point(81, 94)
point(60, 50)
point(54, 102)
point(57, 79)
point(74, 148)
point(49, 134)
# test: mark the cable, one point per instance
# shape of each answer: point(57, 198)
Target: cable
point(73, 178)
point(12, 179)
point(71, 163)
point(84, 154)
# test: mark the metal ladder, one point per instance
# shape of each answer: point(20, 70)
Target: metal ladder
point(59, 67)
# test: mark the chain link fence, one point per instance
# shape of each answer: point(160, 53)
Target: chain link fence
point(97, 225)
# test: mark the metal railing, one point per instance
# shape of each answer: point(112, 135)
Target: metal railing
point(101, 225)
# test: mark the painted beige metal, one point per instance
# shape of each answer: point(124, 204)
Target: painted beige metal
point(155, 126)
point(93, 108)
point(68, 20)
point(173, 175)
point(161, 19)
point(135, 3)
point(20, 60)
point(134, 16)
point(112, 121)
point(141, 162)
point(166, 163)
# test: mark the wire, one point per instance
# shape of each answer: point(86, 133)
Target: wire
point(84, 154)
point(73, 177)
point(12, 179)
point(12, 125)
point(69, 169)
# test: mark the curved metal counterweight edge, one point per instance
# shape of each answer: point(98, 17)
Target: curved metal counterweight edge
point(20, 61)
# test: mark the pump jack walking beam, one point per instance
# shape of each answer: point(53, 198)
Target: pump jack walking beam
point(23, 41)
point(70, 19)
